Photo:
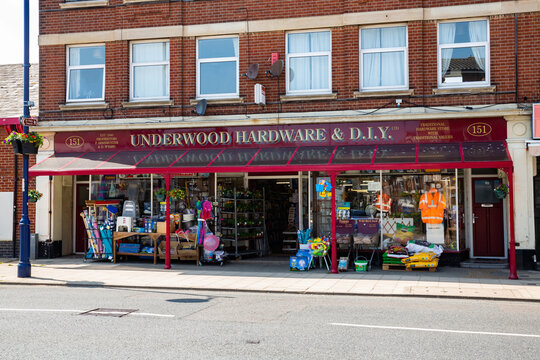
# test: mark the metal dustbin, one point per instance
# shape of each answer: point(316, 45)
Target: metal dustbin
point(34, 238)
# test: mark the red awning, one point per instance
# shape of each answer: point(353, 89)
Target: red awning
point(460, 155)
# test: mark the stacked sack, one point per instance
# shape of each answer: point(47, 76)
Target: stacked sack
point(426, 254)
point(421, 260)
point(394, 255)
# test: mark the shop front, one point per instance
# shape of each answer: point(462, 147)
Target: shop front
point(403, 178)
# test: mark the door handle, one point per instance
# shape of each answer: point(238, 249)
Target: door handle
point(474, 217)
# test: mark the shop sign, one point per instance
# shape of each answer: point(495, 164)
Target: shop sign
point(359, 133)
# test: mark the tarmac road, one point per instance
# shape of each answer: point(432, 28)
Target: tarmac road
point(45, 322)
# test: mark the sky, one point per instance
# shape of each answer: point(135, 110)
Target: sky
point(12, 30)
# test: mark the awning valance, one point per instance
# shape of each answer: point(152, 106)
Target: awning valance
point(277, 159)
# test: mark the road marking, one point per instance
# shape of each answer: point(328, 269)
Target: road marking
point(150, 314)
point(436, 330)
point(80, 311)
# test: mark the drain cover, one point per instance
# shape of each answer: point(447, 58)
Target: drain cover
point(109, 312)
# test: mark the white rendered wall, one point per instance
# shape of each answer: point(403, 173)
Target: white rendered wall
point(6, 213)
point(518, 132)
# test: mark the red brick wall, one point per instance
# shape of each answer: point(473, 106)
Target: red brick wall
point(7, 180)
point(422, 56)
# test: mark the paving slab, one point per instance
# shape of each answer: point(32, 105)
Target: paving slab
point(268, 276)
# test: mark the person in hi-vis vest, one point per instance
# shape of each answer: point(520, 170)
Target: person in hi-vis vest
point(432, 205)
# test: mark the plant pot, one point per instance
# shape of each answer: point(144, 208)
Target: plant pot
point(29, 148)
point(17, 147)
point(160, 197)
point(500, 194)
point(32, 200)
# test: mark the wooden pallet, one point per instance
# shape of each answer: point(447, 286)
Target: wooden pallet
point(400, 267)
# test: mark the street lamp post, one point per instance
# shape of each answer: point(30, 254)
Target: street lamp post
point(24, 268)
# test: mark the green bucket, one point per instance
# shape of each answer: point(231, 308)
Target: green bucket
point(360, 265)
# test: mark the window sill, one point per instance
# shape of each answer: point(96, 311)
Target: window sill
point(137, 1)
point(142, 104)
point(83, 4)
point(465, 90)
point(84, 106)
point(289, 98)
point(368, 94)
point(239, 100)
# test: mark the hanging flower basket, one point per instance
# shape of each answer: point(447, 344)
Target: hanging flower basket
point(24, 143)
point(17, 147)
point(501, 191)
point(177, 194)
point(160, 194)
point(29, 148)
point(34, 196)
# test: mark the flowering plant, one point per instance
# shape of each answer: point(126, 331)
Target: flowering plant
point(160, 191)
point(34, 195)
point(32, 137)
point(501, 191)
point(177, 194)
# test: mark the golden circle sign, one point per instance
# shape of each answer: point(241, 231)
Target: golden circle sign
point(74, 142)
point(479, 129)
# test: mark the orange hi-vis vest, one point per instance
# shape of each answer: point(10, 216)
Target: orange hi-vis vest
point(432, 205)
point(386, 203)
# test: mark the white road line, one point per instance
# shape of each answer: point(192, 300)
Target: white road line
point(436, 330)
point(81, 311)
point(150, 314)
point(41, 310)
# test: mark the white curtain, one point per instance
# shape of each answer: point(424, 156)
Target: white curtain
point(308, 72)
point(383, 68)
point(150, 81)
point(447, 33)
point(478, 32)
point(74, 76)
point(392, 69)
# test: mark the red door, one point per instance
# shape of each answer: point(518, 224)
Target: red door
point(488, 222)
point(80, 232)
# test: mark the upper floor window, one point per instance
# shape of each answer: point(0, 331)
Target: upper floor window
point(309, 63)
point(383, 58)
point(86, 73)
point(217, 67)
point(463, 54)
point(149, 71)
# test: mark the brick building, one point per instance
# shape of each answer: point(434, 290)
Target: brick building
point(11, 106)
point(435, 72)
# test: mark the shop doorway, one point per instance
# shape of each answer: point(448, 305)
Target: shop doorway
point(488, 219)
point(81, 195)
point(282, 201)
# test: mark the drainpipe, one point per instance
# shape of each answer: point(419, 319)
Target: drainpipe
point(512, 255)
point(24, 268)
point(15, 196)
point(516, 55)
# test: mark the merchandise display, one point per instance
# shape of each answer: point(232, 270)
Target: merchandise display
point(241, 221)
point(432, 205)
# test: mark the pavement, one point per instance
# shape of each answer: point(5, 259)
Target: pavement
point(272, 275)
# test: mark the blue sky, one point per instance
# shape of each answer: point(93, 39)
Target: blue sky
point(11, 28)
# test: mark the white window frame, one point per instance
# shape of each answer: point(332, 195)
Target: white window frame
point(132, 66)
point(83, 67)
point(405, 50)
point(214, 60)
point(486, 43)
point(311, 54)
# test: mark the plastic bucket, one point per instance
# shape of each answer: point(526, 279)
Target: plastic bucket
point(360, 265)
